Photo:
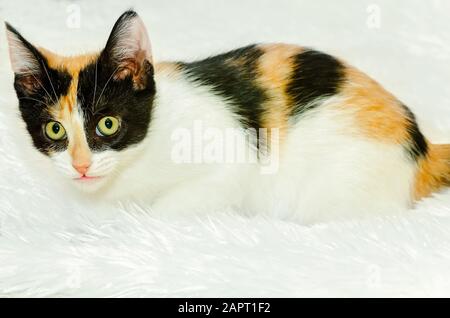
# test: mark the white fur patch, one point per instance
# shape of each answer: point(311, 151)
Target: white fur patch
point(326, 174)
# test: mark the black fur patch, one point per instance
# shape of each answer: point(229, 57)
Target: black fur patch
point(417, 147)
point(100, 95)
point(315, 75)
point(48, 86)
point(232, 75)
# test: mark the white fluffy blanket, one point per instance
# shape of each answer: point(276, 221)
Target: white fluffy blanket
point(53, 243)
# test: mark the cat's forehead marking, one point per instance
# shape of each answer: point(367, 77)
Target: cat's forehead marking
point(72, 65)
point(68, 101)
point(66, 110)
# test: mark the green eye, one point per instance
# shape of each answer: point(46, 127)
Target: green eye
point(55, 130)
point(107, 126)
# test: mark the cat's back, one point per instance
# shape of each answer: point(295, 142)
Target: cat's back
point(336, 126)
point(276, 85)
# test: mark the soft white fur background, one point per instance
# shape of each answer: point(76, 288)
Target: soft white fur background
point(53, 243)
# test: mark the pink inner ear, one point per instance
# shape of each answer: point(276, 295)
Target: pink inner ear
point(145, 48)
point(132, 53)
point(139, 72)
point(133, 43)
point(131, 66)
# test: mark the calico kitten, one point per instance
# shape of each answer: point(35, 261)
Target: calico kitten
point(338, 143)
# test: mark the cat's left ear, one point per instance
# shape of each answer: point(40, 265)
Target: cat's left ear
point(26, 62)
point(129, 50)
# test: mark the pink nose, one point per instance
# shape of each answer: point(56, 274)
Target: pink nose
point(81, 168)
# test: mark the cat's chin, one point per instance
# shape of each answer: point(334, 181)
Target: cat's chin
point(90, 184)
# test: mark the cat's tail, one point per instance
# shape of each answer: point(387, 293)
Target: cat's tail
point(433, 170)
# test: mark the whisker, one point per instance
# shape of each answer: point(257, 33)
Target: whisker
point(39, 82)
point(104, 167)
point(34, 99)
point(95, 85)
point(48, 76)
point(101, 93)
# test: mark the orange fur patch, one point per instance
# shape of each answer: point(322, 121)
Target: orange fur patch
point(78, 147)
point(275, 68)
point(433, 171)
point(71, 64)
point(379, 114)
point(168, 68)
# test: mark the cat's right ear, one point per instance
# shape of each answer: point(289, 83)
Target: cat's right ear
point(128, 49)
point(25, 60)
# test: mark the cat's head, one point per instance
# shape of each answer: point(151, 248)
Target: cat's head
point(87, 113)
